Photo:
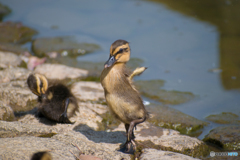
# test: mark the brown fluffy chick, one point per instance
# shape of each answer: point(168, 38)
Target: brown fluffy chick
point(122, 98)
point(41, 156)
point(56, 102)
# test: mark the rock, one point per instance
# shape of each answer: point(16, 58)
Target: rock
point(94, 68)
point(153, 154)
point(167, 117)
point(17, 95)
point(88, 91)
point(59, 146)
point(13, 74)
point(224, 118)
point(66, 46)
point(8, 59)
point(151, 89)
point(4, 10)
point(58, 71)
point(18, 129)
point(150, 136)
point(6, 112)
point(14, 48)
point(227, 138)
point(15, 32)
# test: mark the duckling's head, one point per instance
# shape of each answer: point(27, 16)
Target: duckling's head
point(119, 52)
point(41, 156)
point(37, 83)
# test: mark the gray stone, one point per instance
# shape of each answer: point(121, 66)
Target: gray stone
point(15, 32)
point(59, 147)
point(6, 112)
point(66, 46)
point(17, 95)
point(88, 91)
point(8, 59)
point(18, 129)
point(153, 154)
point(12, 74)
point(59, 71)
point(227, 137)
point(164, 116)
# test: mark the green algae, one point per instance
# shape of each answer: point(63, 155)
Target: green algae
point(108, 122)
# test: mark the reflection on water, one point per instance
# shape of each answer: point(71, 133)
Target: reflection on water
point(179, 41)
point(225, 15)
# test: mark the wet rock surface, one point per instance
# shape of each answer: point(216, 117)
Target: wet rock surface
point(63, 46)
point(151, 89)
point(224, 118)
point(227, 138)
point(4, 10)
point(15, 32)
point(167, 117)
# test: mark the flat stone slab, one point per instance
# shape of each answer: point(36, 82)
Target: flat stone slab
point(153, 154)
point(18, 129)
point(17, 95)
point(59, 71)
point(227, 138)
point(88, 91)
point(9, 59)
point(13, 74)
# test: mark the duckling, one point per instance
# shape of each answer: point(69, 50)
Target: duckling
point(41, 156)
point(122, 98)
point(56, 102)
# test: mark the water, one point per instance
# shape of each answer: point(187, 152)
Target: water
point(178, 41)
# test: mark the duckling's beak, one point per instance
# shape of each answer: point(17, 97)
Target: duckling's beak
point(110, 62)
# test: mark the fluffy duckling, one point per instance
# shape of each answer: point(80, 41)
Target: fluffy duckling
point(122, 98)
point(41, 156)
point(55, 102)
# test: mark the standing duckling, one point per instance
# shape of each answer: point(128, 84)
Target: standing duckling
point(122, 98)
point(56, 102)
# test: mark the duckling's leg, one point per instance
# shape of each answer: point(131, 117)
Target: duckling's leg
point(130, 134)
point(63, 118)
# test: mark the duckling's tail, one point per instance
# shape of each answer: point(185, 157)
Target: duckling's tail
point(137, 72)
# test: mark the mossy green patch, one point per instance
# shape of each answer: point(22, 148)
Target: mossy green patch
point(108, 122)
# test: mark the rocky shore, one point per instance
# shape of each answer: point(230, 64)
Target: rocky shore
point(165, 135)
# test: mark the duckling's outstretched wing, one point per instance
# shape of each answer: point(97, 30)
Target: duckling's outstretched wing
point(137, 72)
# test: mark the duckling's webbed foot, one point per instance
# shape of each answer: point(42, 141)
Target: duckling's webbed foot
point(63, 118)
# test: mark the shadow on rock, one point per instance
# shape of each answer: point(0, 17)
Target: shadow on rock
point(101, 136)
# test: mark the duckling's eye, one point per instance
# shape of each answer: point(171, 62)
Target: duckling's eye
point(120, 50)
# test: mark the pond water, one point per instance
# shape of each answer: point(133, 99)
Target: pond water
point(192, 45)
